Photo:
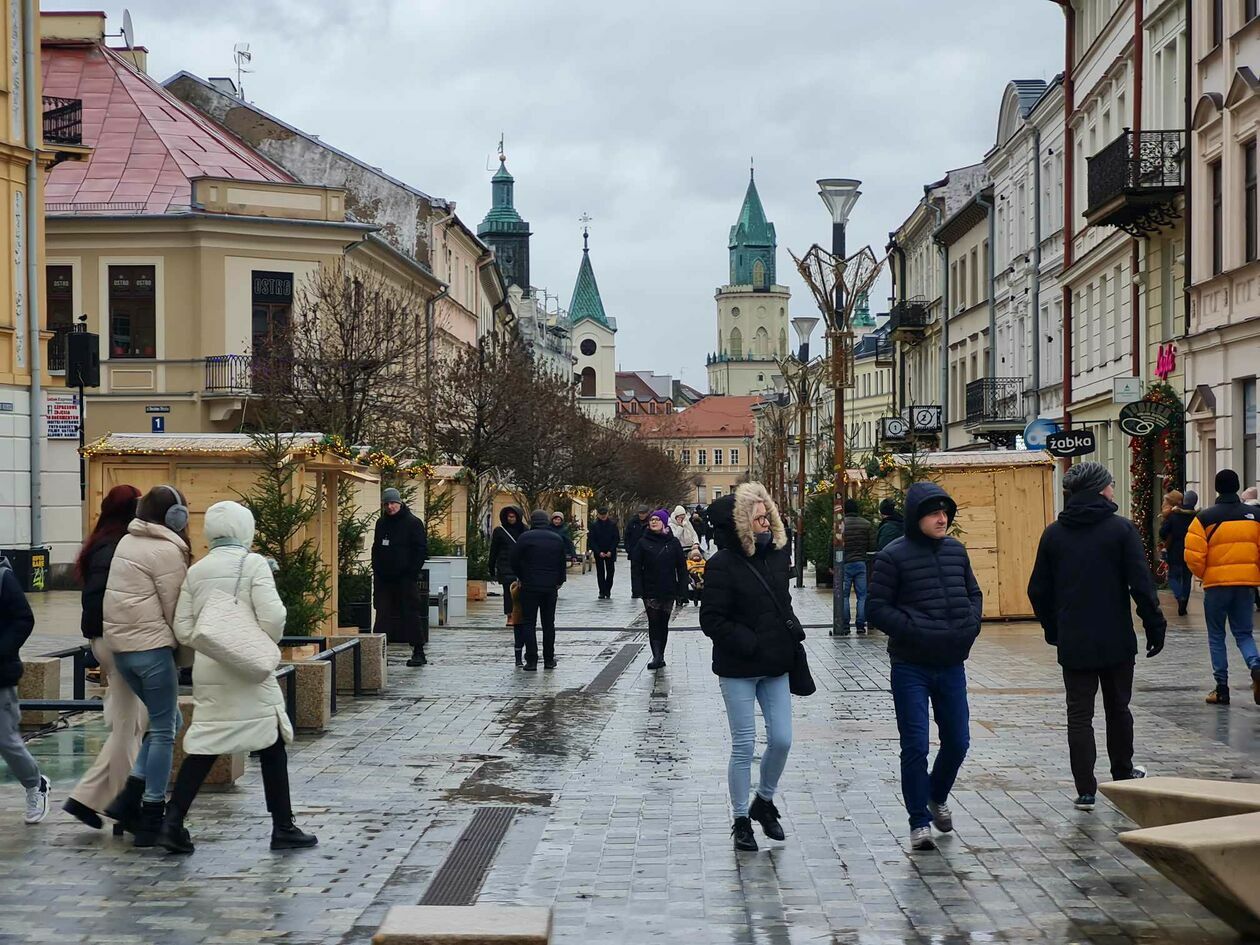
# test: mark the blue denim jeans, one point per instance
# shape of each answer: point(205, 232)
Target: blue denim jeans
point(945, 687)
point(1232, 605)
point(1179, 581)
point(741, 697)
point(855, 577)
point(154, 678)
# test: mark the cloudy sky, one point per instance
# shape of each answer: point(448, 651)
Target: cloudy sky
point(643, 114)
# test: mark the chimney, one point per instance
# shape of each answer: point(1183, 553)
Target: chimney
point(67, 26)
point(138, 56)
point(225, 85)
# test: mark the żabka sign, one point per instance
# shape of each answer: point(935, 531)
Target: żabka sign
point(1146, 418)
point(1071, 443)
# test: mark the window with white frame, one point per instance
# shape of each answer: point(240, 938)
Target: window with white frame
point(734, 456)
point(717, 456)
point(686, 457)
point(702, 457)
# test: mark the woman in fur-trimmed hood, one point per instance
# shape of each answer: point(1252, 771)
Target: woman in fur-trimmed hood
point(746, 610)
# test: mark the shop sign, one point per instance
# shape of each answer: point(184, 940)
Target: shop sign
point(1071, 443)
point(1126, 390)
point(62, 415)
point(1166, 360)
point(1146, 418)
point(1038, 432)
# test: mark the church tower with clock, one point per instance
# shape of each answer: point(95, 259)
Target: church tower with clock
point(752, 310)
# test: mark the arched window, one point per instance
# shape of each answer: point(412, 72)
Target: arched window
point(588, 382)
point(761, 347)
point(783, 342)
point(737, 343)
point(759, 274)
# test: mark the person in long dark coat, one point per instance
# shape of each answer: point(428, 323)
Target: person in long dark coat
point(602, 540)
point(636, 529)
point(399, 550)
point(658, 575)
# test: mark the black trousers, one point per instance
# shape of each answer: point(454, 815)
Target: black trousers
point(275, 775)
point(536, 604)
point(1117, 689)
point(604, 570)
point(658, 628)
point(507, 596)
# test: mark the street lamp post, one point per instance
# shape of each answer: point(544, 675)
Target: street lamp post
point(839, 195)
point(804, 326)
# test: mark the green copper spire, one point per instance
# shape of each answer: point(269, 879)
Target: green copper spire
point(862, 313)
point(504, 230)
point(586, 301)
point(752, 243)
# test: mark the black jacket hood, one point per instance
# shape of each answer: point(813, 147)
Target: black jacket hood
point(1086, 508)
point(916, 496)
point(520, 520)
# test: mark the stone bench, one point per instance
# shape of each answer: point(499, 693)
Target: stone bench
point(227, 770)
point(1155, 802)
point(465, 925)
point(41, 679)
point(1216, 861)
point(372, 656)
point(314, 682)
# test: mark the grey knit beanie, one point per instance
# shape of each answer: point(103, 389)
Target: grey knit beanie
point(1087, 477)
point(391, 495)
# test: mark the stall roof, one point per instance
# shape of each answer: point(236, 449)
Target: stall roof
point(164, 443)
point(983, 458)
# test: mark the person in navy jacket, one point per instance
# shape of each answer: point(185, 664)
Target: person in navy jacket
point(924, 595)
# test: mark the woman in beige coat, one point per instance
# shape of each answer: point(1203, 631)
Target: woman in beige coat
point(231, 713)
point(139, 607)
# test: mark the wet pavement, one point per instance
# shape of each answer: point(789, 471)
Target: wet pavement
point(621, 822)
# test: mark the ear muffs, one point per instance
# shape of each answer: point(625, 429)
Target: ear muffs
point(177, 515)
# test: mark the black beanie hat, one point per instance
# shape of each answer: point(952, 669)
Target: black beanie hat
point(1227, 481)
point(887, 507)
point(851, 507)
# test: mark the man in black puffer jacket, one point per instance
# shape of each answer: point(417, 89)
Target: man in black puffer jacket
point(539, 563)
point(924, 595)
point(400, 547)
point(602, 541)
point(1089, 563)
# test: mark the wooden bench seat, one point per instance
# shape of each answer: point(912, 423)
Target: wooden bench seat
point(1155, 802)
point(1217, 861)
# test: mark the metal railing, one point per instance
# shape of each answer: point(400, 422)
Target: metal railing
point(1141, 161)
point(228, 373)
point(995, 400)
point(63, 120)
point(57, 348)
point(909, 315)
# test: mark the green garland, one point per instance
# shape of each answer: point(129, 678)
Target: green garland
point(1142, 465)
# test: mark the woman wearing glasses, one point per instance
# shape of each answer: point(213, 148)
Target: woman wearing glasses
point(746, 610)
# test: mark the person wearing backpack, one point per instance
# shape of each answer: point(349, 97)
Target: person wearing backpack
point(231, 713)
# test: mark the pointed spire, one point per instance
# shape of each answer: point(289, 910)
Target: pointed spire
point(752, 241)
point(586, 301)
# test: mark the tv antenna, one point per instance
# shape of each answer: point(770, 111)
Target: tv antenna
point(241, 53)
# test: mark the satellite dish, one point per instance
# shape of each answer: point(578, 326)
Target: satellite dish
point(128, 31)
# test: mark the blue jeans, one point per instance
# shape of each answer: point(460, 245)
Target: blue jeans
point(1179, 581)
point(855, 577)
point(775, 699)
point(1232, 604)
point(913, 686)
point(153, 677)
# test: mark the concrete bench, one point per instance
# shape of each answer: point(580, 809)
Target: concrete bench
point(314, 694)
point(1155, 802)
point(41, 679)
point(1216, 861)
point(372, 661)
point(465, 925)
point(227, 770)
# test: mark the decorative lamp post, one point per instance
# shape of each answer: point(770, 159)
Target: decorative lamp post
point(805, 394)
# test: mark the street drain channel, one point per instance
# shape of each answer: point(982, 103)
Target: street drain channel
point(458, 880)
point(607, 676)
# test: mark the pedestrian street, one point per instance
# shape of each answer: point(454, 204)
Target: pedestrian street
point(615, 778)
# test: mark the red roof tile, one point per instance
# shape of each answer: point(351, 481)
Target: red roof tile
point(714, 416)
point(147, 144)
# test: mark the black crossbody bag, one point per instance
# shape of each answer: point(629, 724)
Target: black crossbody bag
point(800, 680)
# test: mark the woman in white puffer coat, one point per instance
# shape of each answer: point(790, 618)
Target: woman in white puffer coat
point(230, 713)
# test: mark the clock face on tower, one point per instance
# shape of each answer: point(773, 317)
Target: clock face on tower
point(588, 346)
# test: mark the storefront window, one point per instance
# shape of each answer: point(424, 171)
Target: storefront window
point(59, 292)
point(132, 312)
point(1248, 470)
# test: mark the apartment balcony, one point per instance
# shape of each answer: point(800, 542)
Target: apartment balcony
point(63, 121)
point(228, 375)
point(909, 319)
point(57, 349)
point(885, 352)
point(1135, 180)
point(995, 409)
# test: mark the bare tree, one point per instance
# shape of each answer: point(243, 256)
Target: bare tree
point(541, 458)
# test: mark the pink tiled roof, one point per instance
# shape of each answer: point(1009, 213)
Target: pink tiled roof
point(147, 144)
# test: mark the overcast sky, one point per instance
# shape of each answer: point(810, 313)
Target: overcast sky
point(643, 114)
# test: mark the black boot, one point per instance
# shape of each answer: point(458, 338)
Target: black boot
point(83, 813)
point(741, 830)
point(417, 655)
point(125, 808)
point(662, 642)
point(149, 824)
point(173, 836)
point(286, 835)
point(656, 662)
point(766, 814)
point(1181, 607)
point(518, 656)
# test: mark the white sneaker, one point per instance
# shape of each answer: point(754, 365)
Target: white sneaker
point(921, 839)
point(37, 801)
point(942, 816)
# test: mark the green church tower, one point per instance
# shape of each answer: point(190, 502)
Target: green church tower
point(752, 243)
point(505, 231)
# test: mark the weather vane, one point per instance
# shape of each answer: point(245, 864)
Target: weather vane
point(585, 220)
point(502, 156)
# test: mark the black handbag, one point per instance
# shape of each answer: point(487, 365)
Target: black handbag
point(800, 679)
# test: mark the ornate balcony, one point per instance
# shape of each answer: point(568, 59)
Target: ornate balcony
point(1135, 180)
point(885, 352)
point(229, 374)
point(995, 409)
point(909, 319)
point(63, 121)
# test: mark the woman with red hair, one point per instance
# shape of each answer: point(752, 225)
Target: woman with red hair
point(124, 712)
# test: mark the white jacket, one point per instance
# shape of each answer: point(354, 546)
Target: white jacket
point(686, 532)
point(143, 587)
point(230, 713)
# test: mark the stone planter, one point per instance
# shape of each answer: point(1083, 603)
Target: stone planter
point(823, 577)
point(476, 590)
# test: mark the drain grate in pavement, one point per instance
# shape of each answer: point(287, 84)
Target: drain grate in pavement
point(607, 676)
point(458, 880)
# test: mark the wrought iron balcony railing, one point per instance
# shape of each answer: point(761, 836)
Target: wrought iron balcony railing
point(884, 352)
point(63, 120)
point(1134, 180)
point(996, 401)
point(909, 316)
point(57, 348)
point(245, 374)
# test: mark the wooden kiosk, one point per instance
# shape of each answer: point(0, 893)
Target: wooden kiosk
point(213, 467)
point(1005, 500)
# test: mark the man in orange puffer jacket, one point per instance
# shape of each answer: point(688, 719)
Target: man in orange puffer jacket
point(1223, 551)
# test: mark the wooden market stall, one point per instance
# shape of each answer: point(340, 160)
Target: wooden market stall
point(212, 467)
point(1005, 500)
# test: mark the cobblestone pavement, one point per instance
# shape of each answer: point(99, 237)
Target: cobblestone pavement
point(621, 817)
